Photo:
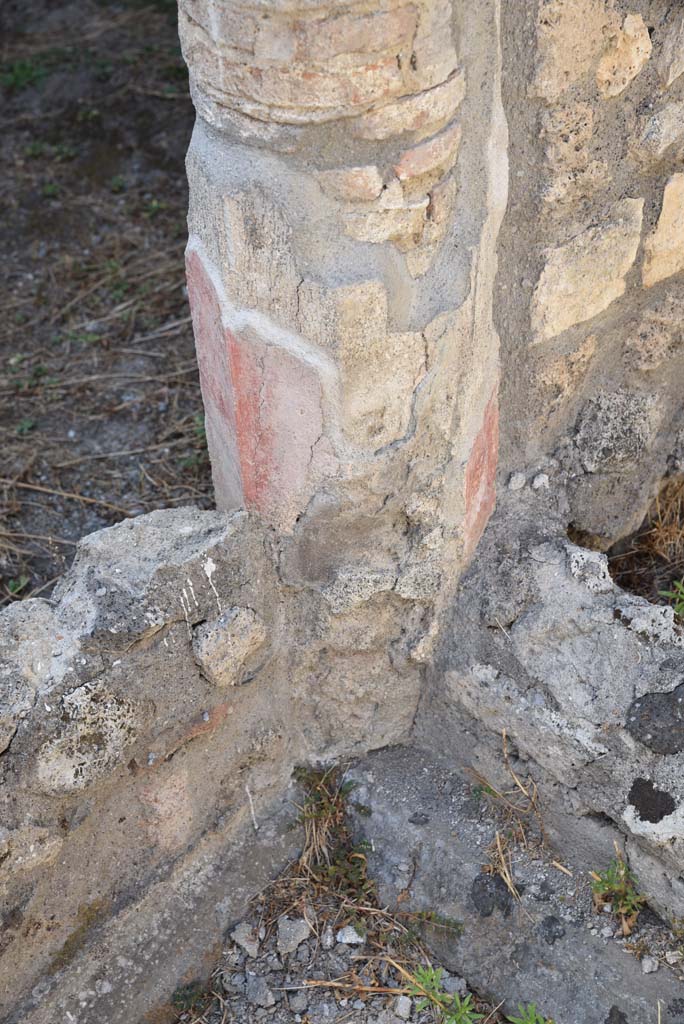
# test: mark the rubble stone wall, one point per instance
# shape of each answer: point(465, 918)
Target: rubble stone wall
point(589, 305)
point(590, 294)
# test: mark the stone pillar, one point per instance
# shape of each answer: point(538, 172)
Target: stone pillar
point(348, 176)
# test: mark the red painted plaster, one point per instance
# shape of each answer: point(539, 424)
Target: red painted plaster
point(263, 405)
point(480, 477)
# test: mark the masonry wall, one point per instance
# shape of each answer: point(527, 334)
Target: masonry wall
point(585, 678)
point(368, 322)
point(590, 293)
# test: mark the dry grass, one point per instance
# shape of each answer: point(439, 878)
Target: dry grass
point(518, 809)
point(329, 886)
point(649, 561)
point(100, 410)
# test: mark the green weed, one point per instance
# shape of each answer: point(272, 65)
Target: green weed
point(616, 886)
point(529, 1015)
point(190, 997)
point(36, 149)
point(15, 587)
point(21, 74)
point(426, 988)
point(676, 596)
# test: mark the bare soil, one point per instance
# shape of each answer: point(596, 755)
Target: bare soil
point(100, 409)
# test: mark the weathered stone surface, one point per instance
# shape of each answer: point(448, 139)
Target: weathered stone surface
point(354, 585)
point(663, 133)
point(245, 937)
point(657, 720)
point(571, 37)
point(295, 69)
point(258, 992)
point(585, 275)
point(625, 57)
point(568, 131)
point(656, 337)
point(615, 428)
point(29, 657)
point(224, 648)
point(671, 60)
point(352, 184)
point(379, 369)
point(349, 936)
point(664, 248)
point(651, 804)
point(564, 375)
point(98, 727)
point(560, 630)
point(114, 765)
point(26, 849)
point(394, 218)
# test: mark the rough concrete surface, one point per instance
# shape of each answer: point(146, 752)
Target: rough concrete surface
point(429, 835)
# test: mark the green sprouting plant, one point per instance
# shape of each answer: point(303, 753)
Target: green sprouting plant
point(426, 988)
point(190, 997)
point(616, 886)
point(676, 596)
point(481, 790)
point(25, 426)
point(36, 149)
point(21, 74)
point(154, 207)
point(529, 1014)
point(199, 427)
point(16, 586)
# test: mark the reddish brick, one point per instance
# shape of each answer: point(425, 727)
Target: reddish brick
point(480, 477)
point(437, 153)
point(377, 32)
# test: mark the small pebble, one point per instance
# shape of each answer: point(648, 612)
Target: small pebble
point(350, 937)
point(516, 481)
point(298, 1002)
point(674, 957)
point(649, 965)
point(402, 1007)
point(304, 953)
point(244, 937)
point(540, 482)
point(291, 933)
point(258, 992)
point(328, 938)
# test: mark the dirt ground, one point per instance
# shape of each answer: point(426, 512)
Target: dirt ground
point(100, 409)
